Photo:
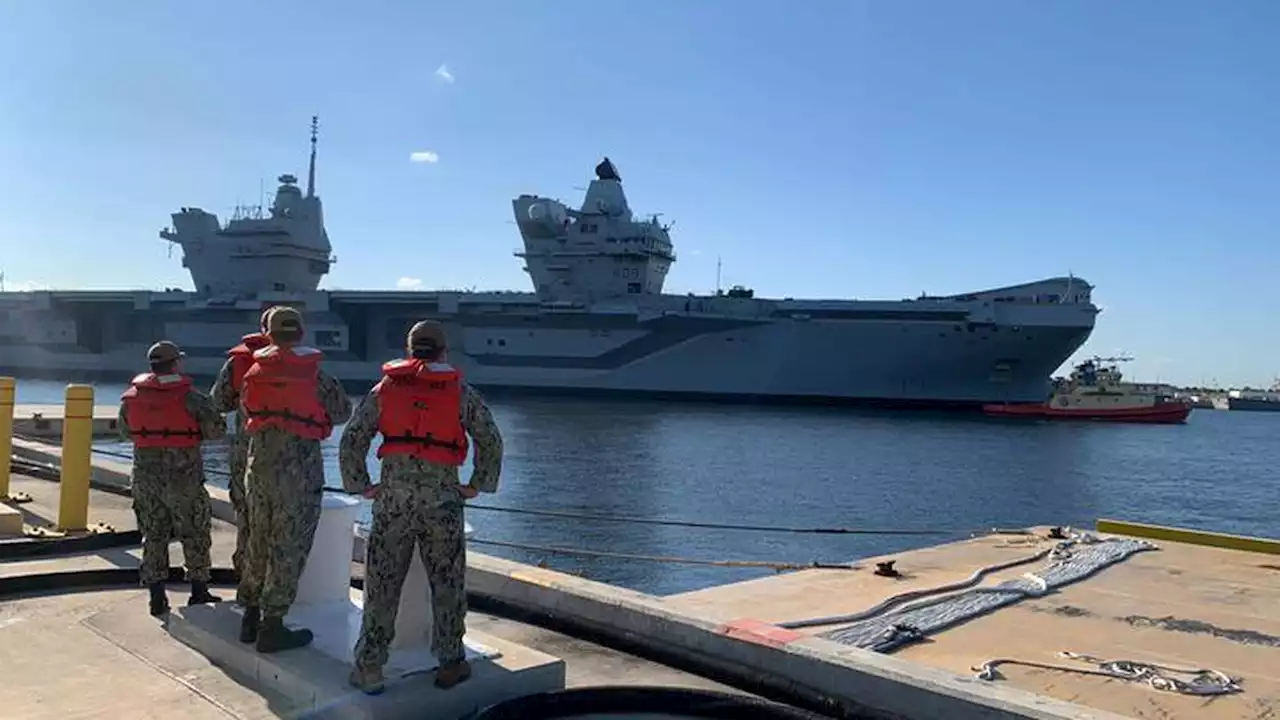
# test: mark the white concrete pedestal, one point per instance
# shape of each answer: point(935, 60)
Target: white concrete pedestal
point(326, 577)
point(415, 617)
point(313, 682)
point(314, 678)
point(325, 604)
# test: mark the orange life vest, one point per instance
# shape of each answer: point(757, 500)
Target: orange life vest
point(156, 412)
point(281, 389)
point(419, 406)
point(242, 357)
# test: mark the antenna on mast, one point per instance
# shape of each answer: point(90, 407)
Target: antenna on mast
point(717, 275)
point(311, 170)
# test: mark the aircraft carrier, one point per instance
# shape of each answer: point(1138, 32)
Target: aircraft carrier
point(597, 321)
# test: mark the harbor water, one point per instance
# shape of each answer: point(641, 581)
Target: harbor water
point(804, 467)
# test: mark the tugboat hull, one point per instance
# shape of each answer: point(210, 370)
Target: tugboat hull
point(1168, 413)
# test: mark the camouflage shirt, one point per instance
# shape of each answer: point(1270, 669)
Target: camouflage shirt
point(353, 451)
point(334, 400)
point(225, 397)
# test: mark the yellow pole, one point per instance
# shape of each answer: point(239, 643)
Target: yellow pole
point(1190, 537)
point(6, 433)
point(77, 435)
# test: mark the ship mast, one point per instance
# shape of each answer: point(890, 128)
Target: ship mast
point(311, 170)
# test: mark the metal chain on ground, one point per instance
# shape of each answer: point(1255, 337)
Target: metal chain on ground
point(565, 515)
point(1202, 681)
point(1074, 559)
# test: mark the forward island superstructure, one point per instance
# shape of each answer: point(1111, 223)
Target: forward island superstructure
point(597, 321)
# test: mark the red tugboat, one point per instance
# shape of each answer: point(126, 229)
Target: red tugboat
point(1095, 391)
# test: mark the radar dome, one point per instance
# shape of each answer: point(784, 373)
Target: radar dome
point(548, 212)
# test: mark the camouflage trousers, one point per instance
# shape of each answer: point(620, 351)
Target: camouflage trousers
point(285, 483)
point(238, 459)
point(405, 518)
point(168, 508)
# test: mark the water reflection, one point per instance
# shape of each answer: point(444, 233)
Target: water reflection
point(581, 457)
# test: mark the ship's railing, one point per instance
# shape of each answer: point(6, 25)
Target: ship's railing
point(568, 251)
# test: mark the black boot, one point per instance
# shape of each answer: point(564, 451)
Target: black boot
point(200, 594)
point(274, 636)
point(249, 624)
point(159, 602)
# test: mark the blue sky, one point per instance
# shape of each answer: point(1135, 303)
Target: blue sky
point(824, 148)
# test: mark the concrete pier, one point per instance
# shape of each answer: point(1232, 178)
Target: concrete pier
point(314, 678)
point(1185, 605)
point(60, 650)
point(45, 421)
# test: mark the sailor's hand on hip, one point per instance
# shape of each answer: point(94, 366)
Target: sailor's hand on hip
point(370, 491)
point(467, 492)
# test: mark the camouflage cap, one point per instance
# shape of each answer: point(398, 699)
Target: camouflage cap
point(426, 335)
point(283, 318)
point(164, 351)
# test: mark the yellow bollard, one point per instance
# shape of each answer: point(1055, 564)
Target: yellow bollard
point(77, 436)
point(6, 433)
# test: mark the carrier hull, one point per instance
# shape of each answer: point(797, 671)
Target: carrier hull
point(834, 352)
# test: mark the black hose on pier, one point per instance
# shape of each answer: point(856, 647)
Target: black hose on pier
point(632, 701)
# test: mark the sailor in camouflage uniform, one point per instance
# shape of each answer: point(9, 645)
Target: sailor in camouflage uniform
point(167, 419)
point(424, 412)
point(226, 398)
point(289, 405)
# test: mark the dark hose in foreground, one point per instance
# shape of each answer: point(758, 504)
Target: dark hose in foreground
point(641, 702)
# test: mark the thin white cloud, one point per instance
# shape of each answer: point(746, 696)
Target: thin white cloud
point(424, 156)
point(408, 283)
point(443, 73)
